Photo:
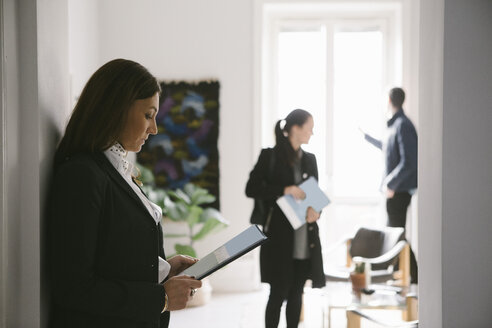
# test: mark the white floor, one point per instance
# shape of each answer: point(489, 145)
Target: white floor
point(246, 310)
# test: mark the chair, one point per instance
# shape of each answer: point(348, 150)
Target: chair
point(379, 247)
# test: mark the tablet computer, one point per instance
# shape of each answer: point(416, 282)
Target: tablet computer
point(241, 244)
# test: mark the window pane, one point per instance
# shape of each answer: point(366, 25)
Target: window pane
point(301, 81)
point(357, 165)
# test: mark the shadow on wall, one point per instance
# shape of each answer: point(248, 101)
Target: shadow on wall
point(52, 137)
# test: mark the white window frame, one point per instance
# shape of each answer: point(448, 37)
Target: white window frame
point(402, 35)
point(271, 16)
point(402, 20)
point(389, 77)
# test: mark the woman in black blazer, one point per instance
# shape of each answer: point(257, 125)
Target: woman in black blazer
point(106, 256)
point(290, 257)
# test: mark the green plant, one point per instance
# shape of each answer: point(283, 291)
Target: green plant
point(185, 205)
point(359, 267)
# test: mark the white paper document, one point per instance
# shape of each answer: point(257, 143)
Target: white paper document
point(231, 250)
point(295, 210)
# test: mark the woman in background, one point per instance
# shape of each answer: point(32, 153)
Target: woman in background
point(290, 257)
point(106, 254)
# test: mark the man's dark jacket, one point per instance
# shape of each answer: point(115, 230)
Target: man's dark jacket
point(400, 152)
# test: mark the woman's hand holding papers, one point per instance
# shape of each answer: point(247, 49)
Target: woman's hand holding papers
point(295, 191)
point(311, 215)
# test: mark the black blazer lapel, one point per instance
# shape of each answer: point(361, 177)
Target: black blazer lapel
point(106, 165)
point(308, 166)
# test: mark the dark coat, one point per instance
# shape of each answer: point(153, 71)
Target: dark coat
point(276, 256)
point(400, 152)
point(103, 250)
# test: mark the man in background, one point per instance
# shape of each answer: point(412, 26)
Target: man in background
point(400, 179)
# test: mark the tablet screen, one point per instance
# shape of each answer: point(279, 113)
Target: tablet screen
point(231, 250)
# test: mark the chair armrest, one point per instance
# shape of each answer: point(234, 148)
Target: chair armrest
point(412, 296)
point(389, 255)
point(401, 324)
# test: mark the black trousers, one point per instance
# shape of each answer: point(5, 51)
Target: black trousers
point(292, 293)
point(396, 208)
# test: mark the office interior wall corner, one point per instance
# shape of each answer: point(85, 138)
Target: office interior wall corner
point(34, 93)
point(20, 235)
point(2, 172)
point(54, 104)
point(430, 174)
point(10, 100)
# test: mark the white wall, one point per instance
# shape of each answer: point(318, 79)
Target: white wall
point(53, 100)
point(430, 163)
point(21, 255)
point(456, 157)
point(467, 163)
point(83, 44)
point(35, 90)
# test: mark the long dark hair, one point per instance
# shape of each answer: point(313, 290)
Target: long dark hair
point(102, 109)
point(282, 131)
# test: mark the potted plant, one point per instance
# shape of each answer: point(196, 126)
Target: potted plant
point(188, 207)
point(358, 277)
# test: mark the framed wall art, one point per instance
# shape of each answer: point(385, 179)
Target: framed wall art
point(185, 148)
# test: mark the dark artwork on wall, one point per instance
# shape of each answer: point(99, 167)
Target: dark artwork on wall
point(185, 147)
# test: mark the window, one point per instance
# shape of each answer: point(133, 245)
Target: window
point(302, 79)
point(357, 91)
point(337, 63)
